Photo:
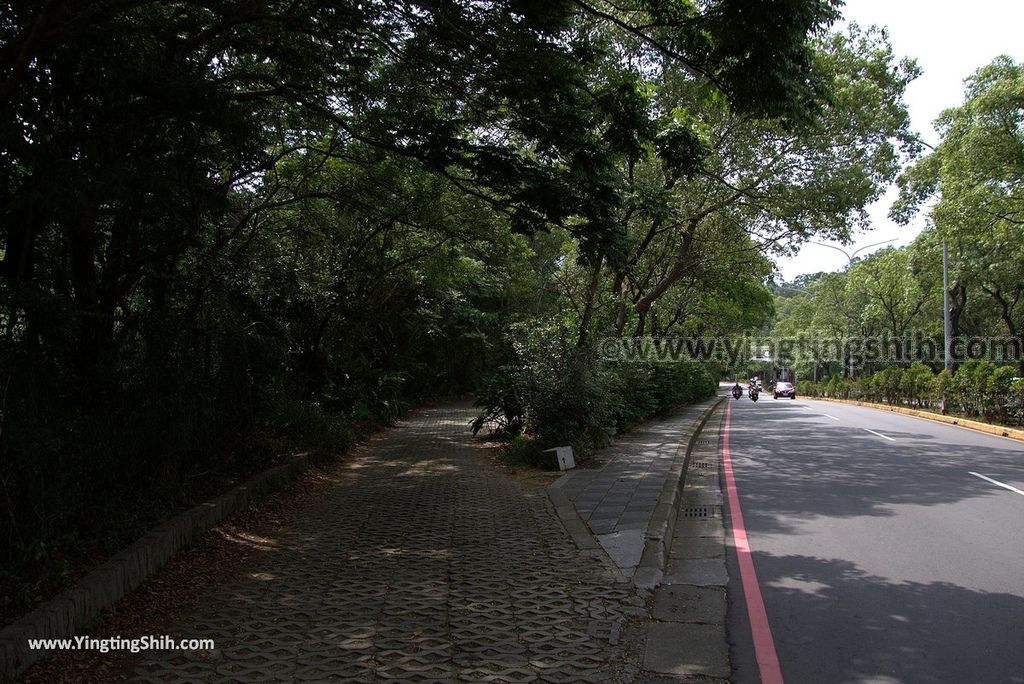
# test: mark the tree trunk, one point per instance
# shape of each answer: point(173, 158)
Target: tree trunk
point(588, 307)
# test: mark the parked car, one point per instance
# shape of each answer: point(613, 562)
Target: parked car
point(785, 389)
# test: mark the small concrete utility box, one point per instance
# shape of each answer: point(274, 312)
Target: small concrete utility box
point(563, 456)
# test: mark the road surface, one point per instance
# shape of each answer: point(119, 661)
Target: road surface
point(886, 548)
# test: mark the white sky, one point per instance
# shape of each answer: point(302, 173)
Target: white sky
point(949, 40)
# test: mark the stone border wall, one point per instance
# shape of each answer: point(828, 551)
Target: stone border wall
point(78, 607)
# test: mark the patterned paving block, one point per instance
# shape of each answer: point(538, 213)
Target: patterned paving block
point(423, 563)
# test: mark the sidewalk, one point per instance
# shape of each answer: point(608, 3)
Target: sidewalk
point(425, 562)
point(690, 605)
point(629, 496)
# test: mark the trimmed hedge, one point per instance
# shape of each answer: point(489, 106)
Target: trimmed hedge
point(978, 388)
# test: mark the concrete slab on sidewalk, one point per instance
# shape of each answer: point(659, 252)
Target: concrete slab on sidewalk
point(688, 641)
point(624, 547)
point(704, 572)
point(688, 603)
point(682, 649)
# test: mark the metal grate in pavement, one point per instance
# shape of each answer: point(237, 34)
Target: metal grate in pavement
point(700, 511)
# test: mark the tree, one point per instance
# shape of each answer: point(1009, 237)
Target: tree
point(761, 183)
point(224, 223)
point(977, 176)
point(896, 300)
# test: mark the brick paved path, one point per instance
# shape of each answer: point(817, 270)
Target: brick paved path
point(425, 563)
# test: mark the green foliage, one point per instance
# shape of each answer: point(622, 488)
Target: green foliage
point(918, 383)
point(229, 230)
point(643, 390)
point(974, 174)
point(978, 388)
point(558, 394)
point(887, 384)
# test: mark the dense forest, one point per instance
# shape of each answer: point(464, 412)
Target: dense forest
point(234, 229)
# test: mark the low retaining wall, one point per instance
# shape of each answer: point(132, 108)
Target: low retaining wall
point(78, 607)
point(1001, 430)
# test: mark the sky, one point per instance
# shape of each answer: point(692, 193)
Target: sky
point(949, 40)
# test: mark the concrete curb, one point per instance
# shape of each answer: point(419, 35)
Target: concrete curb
point(581, 535)
point(999, 430)
point(658, 538)
point(74, 609)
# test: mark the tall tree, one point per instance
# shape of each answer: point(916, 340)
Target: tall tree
point(760, 184)
point(977, 175)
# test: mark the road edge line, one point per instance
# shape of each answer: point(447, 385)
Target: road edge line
point(760, 630)
point(1001, 431)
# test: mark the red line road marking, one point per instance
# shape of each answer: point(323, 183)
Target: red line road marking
point(764, 644)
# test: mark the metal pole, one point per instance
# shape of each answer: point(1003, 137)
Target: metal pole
point(947, 319)
point(947, 305)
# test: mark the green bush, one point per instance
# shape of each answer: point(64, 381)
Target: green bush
point(997, 391)
point(943, 387)
point(864, 389)
point(551, 390)
point(556, 394)
point(969, 385)
point(1015, 400)
point(810, 388)
point(918, 384)
point(888, 384)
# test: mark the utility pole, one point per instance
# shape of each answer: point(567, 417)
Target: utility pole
point(947, 305)
point(947, 319)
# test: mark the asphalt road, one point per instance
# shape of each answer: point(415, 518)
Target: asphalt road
point(879, 556)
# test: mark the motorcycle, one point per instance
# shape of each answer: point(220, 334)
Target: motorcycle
point(753, 395)
point(737, 393)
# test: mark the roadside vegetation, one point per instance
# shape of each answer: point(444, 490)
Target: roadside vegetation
point(978, 389)
point(229, 231)
point(972, 189)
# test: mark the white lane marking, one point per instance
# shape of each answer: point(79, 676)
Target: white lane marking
point(881, 435)
point(997, 482)
point(828, 416)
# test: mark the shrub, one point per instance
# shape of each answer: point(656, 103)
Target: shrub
point(1015, 400)
point(888, 384)
point(557, 394)
point(943, 387)
point(997, 392)
point(969, 385)
point(864, 388)
point(549, 390)
point(918, 384)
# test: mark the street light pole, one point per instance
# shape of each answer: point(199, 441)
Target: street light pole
point(947, 317)
point(849, 256)
point(947, 305)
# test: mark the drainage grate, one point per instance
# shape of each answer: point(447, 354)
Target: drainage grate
point(701, 464)
point(700, 512)
point(705, 442)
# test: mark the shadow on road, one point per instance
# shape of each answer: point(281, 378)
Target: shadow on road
point(795, 465)
point(889, 631)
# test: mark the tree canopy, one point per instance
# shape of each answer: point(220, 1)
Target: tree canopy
point(232, 228)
